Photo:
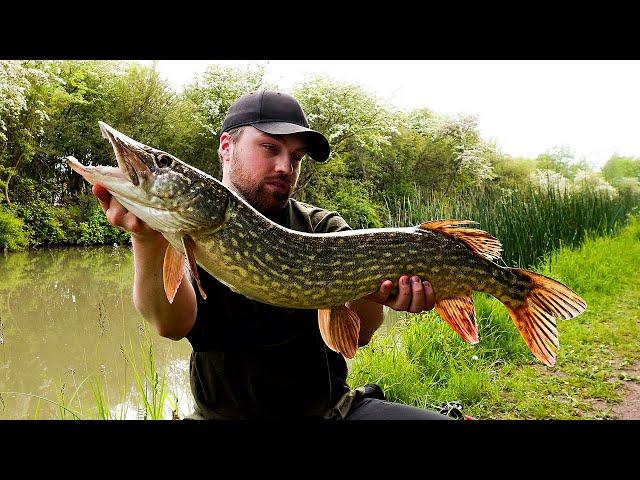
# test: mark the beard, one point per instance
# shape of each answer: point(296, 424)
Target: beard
point(267, 202)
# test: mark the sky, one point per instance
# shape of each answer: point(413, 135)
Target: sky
point(526, 107)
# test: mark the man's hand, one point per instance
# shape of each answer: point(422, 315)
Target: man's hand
point(119, 216)
point(413, 295)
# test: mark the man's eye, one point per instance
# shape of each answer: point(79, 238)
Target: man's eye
point(268, 146)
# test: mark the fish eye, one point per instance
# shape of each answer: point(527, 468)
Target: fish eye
point(163, 160)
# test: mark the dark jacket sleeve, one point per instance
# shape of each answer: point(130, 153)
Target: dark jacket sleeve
point(328, 222)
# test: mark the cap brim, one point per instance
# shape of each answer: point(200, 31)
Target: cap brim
point(317, 145)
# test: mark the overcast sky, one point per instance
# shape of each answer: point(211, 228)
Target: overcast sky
point(526, 106)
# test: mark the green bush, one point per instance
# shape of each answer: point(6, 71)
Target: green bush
point(352, 200)
point(86, 224)
point(41, 224)
point(81, 224)
point(12, 236)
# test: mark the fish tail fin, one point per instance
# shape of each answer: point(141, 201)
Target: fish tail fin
point(340, 329)
point(545, 300)
point(460, 314)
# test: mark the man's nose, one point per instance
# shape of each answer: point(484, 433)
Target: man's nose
point(283, 164)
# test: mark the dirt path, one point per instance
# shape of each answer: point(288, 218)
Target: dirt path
point(629, 409)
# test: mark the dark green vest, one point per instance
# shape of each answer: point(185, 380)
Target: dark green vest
point(251, 360)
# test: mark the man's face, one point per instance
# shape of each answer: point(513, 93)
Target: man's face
point(263, 168)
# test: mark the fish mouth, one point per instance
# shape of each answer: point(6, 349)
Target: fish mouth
point(98, 174)
point(131, 155)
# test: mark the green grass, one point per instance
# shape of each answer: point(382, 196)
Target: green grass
point(151, 383)
point(421, 361)
point(153, 396)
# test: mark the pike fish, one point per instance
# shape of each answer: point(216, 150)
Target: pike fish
point(208, 224)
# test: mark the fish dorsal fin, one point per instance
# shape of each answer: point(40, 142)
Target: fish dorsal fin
point(479, 241)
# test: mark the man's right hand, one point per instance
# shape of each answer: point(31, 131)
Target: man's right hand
point(119, 216)
point(149, 298)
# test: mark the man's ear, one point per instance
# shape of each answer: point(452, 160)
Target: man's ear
point(225, 145)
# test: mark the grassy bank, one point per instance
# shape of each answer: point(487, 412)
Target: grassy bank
point(422, 362)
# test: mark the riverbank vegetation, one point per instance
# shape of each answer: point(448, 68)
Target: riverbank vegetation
point(421, 361)
point(387, 166)
point(554, 213)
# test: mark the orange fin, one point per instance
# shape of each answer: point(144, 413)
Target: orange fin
point(460, 314)
point(340, 329)
point(172, 272)
point(535, 318)
point(479, 241)
point(189, 249)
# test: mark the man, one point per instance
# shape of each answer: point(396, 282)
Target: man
point(253, 360)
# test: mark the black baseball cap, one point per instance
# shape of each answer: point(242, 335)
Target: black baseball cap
point(275, 113)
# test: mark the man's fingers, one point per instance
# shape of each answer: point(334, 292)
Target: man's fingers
point(418, 299)
point(102, 194)
point(402, 301)
point(115, 213)
point(383, 293)
point(131, 223)
point(430, 296)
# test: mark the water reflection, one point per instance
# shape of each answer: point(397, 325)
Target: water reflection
point(66, 319)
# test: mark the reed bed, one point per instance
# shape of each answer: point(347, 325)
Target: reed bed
point(530, 222)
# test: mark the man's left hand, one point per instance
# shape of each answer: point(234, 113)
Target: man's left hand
point(413, 295)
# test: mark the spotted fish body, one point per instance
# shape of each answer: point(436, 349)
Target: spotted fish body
point(207, 223)
point(286, 268)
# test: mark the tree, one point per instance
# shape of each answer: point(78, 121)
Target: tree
point(356, 124)
point(28, 91)
point(457, 150)
point(207, 101)
point(618, 167)
point(557, 159)
point(512, 172)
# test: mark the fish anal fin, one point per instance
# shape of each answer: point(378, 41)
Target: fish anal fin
point(479, 241)
point(172, 272)
point(189, 246)
point(535, 317)
point(340, 329)
point(460, 314)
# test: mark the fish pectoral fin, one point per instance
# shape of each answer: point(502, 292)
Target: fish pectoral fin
point(172, 272)
point(340, 329)
point(189, 246)
point(479, 241)
point(545, 300)
point(460, 314)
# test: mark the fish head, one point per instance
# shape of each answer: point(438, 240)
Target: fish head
point(163, 191)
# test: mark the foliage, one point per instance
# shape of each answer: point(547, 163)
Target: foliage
point(356, 124)
point(12, 236)
point(618, 167)
point(549, 180)
point(207, 99)
point(629, 186)
point(380, 156)
point(585, 180)
point(351, 199)
point(420, 361)
point(530, 222)
point(557, 159)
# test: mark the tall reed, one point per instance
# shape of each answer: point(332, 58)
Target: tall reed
point(529, 222)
